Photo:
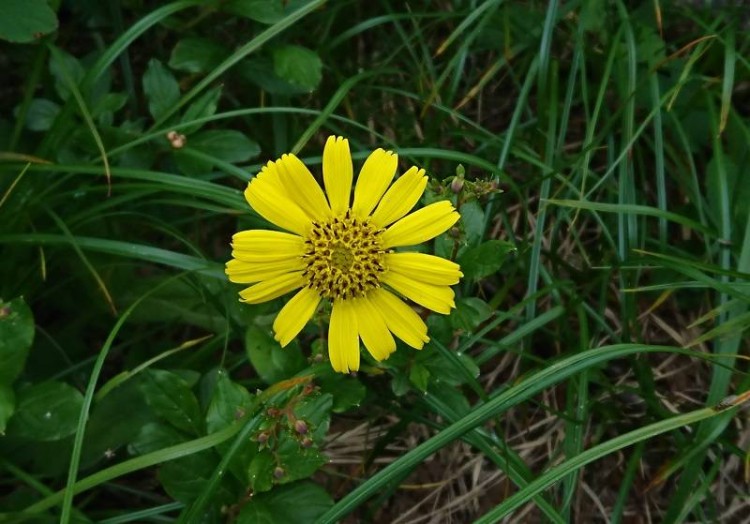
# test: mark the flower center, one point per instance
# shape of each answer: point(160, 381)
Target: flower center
point(344, 257)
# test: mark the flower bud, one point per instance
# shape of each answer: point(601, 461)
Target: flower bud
point(300, 427)
point(278, 472)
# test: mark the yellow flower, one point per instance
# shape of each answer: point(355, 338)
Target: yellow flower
point(343, 252)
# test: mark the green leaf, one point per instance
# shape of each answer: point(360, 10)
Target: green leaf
point(47, 411)
point(301, 502)
point(298, 65)
point(419, 375)
point(316, 412)
point(16, 337)
point(272, 362)
point(470, 312)
point(260, 471)
point(227, 145)
point(64, 67)
point(160, 87)
point(41, 114)
point(259, 71)
point(185, 478)
point(172, 399)
point(485, 259)
point(228, 403)
point(23, 21)
point(263, 11)
point(154, 436)
point(197, 55)
point(7, 406)
point(203, 107)
point(472, 220)
point(297, 461)
point(347, 391)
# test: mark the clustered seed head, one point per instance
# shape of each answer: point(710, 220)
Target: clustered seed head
point(344, 257)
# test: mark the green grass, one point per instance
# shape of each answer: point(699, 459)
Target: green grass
point(605, 241)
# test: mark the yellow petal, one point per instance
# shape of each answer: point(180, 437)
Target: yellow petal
point(338, 173)
point(436, 298)
point(272, 288)
point(295, 314)
point(373, 180)
point(400, 198)
point(343, 340)
point(301, 187)
point(244, 272)
point(267, 197)
point(420, 226)
point(373, 330)
point(401, 320)
point(425, 268)
point(265, 241)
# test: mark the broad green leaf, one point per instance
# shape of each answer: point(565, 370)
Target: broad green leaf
point(298, 65)
point(272, 362)
point(419, 375)
point(316, 412)
point(347, 391)
point(485, 259)
point(227, 145)
point(301, 502)
point(41, 114)
point(172, 399)
point(263, 11)
point(261, 469)
point(7, 405)
point(297, 461)
point(16, 336)
point(47, 411)
point(64, 67)
point(259, 70)
point(154, 436)
point(23, 21)
point(185, 478)
point(228, 403)
point(472, 220)
point(161, 89)
point(197, 55)
point(204, 106)
point(470, 312)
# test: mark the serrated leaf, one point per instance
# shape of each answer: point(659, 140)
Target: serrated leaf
point(161, 89)
point(472, 220)
point(316, 412)
point(485, 259)
point(298, 65)
point(23, 21)
point(300, 502)
point(196, 55)
point(347, 391)
point(47, 411)
point(272, 362)
point(16, 337)
point(171, 399)
point(297, 461)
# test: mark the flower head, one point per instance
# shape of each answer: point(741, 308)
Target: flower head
point(344, 251)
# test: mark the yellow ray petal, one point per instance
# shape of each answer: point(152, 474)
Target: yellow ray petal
point(343, 339)
point(420, 226)
point(373, 180)
point(400, 198)
point(400, 318)
point(301, 187)
point(244, 272)
point(425, 268)
point(267, 197)
point(436, 298)
point(338, 173)
point(272, 288)
point(373, 329)
point(295, 314)
point(265, 241)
